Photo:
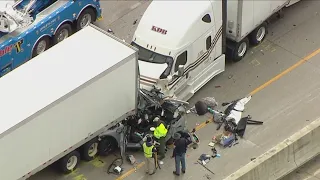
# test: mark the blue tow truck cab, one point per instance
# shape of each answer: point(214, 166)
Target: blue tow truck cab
point(29, 27)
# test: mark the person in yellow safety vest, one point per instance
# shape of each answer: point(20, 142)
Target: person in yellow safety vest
point(149, 149)
point(160, 133)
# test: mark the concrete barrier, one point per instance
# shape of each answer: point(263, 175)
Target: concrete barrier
point(284, 157)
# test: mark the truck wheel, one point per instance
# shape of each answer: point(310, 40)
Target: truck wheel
point(69, 162)
point(62, 33)
point(89, 150)
point(240, 50)
point(258, 35)
point(107, 146)
point(86, 17)
point(41, 46)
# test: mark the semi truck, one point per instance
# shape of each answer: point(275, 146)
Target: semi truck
point(64, 106)
point(183, 44)
point(29, 27)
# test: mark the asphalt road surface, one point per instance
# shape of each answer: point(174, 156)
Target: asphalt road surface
point(286, 103)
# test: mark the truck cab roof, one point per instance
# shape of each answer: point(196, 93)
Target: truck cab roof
point(166, 28)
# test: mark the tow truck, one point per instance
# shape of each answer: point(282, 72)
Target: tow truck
point(29, 27)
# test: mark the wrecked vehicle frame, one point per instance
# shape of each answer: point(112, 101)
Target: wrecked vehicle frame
point(129, 134)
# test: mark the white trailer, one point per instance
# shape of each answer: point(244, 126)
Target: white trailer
point(247, 23)
point(182, 44)
point(55, 106)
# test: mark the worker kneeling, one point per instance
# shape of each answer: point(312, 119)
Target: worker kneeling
point(149, 150)
point(160, 133)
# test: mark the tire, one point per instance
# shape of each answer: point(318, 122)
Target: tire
point(258, 35)
point(201, 108)
point(240, 50)
point(86, 17)
point(41, 46)
point(62, 33)
point(69, 163)
point(89, 150)
point(107, 146)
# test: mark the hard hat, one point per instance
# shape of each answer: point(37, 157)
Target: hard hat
point(152, 129)
point(156, 119)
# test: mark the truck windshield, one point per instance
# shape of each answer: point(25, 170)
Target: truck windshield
point(153, 57)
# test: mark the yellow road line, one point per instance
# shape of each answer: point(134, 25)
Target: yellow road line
point(132, 170)
point(204, 124)
point(300, 62)
point(275, 78)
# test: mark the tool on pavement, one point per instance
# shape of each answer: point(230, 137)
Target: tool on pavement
point(199, 162)
point(156, 163)
point(207, 176)
point(115, 167)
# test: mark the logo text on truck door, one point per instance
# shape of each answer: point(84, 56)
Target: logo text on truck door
point(8, 48)
point(159, 30)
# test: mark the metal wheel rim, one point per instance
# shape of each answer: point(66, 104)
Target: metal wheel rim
point(64, 33)
point(261, 33)
point(41, 47)
point(85, 21)
point(93, 149)
point(72, 162)
point(242, 49)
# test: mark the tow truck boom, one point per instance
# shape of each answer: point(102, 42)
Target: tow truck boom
point(12, 19)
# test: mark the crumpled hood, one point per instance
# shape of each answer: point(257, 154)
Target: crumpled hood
point(151, 70)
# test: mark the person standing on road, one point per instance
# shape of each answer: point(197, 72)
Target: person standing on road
point(179, 153)
point(160, 133)
point(149, 149)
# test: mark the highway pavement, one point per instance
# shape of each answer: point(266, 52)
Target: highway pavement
point(285, 99)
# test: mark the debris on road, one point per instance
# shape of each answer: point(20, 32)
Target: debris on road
point(135, 22)
point(225, 138)
point(110, 31)
point(207, 176)
point(205, 158)
point(131, 159)
point(203, 165)
point(233, 143)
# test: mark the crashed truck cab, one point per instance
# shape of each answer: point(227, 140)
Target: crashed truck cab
point(171, 42)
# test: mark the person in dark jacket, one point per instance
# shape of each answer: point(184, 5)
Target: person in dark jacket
point(179, 153)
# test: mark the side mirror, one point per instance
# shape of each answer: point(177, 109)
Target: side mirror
point(180, 70)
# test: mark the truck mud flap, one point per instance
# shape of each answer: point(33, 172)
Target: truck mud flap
point(229, 49)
